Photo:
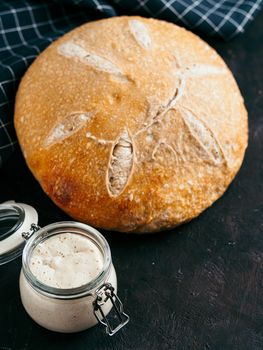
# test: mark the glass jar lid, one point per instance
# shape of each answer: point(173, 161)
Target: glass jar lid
point(15, 219)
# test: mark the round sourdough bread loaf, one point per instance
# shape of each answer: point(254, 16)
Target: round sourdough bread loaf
point(131, 124)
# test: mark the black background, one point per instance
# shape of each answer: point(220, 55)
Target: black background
point(199, 286)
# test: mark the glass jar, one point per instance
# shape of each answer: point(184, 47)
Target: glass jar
point(62, 310)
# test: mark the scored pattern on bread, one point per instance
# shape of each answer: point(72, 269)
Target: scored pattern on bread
point(67, 127)
point(121, 159)
point(140, 33)
point(179, 91)
point(204, 136)
point(120, 165)
point(198, 70)
point(100, 141)
point(158, 116)
point(71, 49)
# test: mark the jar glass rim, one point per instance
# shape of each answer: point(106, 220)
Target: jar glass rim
point(66, 227)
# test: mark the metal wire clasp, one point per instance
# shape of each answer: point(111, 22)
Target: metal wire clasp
point(104, 293)
point(33, 228)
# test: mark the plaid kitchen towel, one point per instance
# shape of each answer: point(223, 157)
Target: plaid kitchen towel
point(28, 26)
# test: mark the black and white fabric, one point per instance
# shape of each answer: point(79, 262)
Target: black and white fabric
point(28, 26)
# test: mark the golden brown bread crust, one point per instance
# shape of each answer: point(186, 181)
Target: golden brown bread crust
point(131, 124)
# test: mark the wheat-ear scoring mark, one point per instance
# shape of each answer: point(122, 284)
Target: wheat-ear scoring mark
point(204, 136)
point(140, 33)
point(120, 164)
point(67, 127)
point(72, 50)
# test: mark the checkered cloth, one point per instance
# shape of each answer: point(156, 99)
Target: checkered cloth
point(28, 26)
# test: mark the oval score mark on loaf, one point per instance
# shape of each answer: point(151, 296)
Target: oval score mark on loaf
point(71, 49)
point(140, 33)
point(120, 164)
point(204, 136)
point(68, 126)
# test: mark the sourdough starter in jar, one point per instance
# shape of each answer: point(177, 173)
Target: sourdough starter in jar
point(64, 261)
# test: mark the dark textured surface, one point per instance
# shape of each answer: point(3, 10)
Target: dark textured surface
point(199, 286)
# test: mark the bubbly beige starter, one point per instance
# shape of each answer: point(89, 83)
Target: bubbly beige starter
point(66, 261)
